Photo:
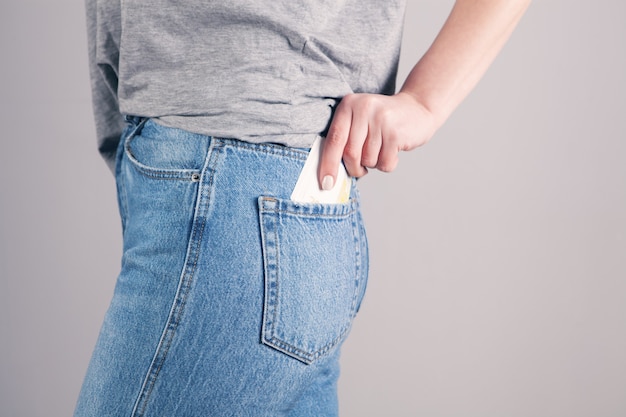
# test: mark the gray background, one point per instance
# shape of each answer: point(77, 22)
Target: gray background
point(498, 276)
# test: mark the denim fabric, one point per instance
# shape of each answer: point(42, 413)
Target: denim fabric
point(232, 300)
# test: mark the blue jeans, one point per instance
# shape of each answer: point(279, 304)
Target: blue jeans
point(232, 300)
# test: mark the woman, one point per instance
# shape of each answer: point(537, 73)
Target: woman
point(234, 297)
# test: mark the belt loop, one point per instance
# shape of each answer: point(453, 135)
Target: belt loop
point(136, 121)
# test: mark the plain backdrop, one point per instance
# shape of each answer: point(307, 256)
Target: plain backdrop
point(498, 250)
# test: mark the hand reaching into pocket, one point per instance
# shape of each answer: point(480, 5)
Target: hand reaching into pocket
point(369, 130)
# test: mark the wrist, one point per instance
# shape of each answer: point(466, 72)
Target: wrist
point(421, 110)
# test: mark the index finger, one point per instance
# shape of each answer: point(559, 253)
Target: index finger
point(333, 146)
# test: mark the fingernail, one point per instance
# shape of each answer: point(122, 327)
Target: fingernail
point(327, 183)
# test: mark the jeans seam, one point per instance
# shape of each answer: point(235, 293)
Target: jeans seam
point(177, 309)
point(357, 256)
point(119, 160)
point(267, 148)
point(341, 216)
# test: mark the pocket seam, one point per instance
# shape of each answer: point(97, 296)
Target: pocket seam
point(159, 173)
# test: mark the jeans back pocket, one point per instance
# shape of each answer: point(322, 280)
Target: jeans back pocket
point(314, 275)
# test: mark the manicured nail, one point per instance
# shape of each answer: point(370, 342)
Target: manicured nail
point(327, 183)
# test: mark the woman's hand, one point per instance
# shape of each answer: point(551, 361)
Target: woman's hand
point(369, 130)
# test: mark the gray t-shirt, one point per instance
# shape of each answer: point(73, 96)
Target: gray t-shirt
point(259, 71)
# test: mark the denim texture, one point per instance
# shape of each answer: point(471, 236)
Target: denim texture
point(232, 300)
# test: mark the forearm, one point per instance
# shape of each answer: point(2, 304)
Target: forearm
point(470, 39)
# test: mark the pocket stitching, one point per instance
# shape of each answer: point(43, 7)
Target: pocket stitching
point(160, 173)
